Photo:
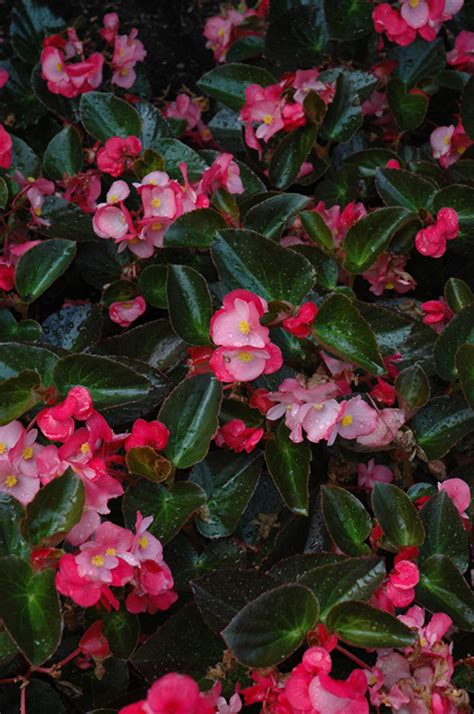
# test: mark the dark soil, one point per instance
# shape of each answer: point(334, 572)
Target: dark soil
point(171, 31)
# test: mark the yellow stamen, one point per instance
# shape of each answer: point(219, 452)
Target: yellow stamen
point(155, 202)
point(123, 72)
point(267, 119)
point(113, 198)
point(245, 356)
point(156, 226)
point(3, 447)
point(389, 286)
point(319, 407)
point(134, 241)
point(143, 542)
point(98, 560)
point(220, 32)
point(28, 453)
point(37, 211)
point(447, 140)
point(11, 481)
point(127, 305)
point(461, 149)
point(414, 3)
point(244, 327)
point(347, 420)
point(85, 448)
point(110, 551)
point(59, 67)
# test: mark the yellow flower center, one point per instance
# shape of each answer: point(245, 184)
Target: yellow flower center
point(389, 286)
point(110, 551)
point(220, 32)
point(447, 140)
point(59, 67)
point(153, 182)
point(347, 420)
point(319, 407)
point(98, 561)
point(245, 356)
point(113, 198)
point(244, 327)
point(85, 448)
point(3, 447)
point(155, 202)
point(460, 149)
point(156, 226)
point(267, 119)
point(28, 453)
point(134, 241)
point(37, 211)
point(11, 481)
point(123, 72)
point(414, 3)
point(143, 542)
point(127, 305)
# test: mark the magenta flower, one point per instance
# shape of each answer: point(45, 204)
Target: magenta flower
point(6, 144)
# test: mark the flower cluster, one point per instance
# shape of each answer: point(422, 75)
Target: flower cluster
point(431, 241)
point(116, 557)
point(220, 30)
point(449, 143)
point(178, 693)
point(424, 17)
point(244, 349)
point(127, 52)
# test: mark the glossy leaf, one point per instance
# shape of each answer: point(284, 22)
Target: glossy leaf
point(190, 413)
point(344, 115)
point(37, 630)
point(371, 235)
point(104, 115)
point(65, 220)
point(289, 466)
point(442, 588)
point(228, 82)
point(170, 508)
point(15, 357)
point(18, 395)
point(11, 539)
point(445, 534)
point(409, 110)
point(290, 154)
point(397, 516)
point(413, 387)
point(459, 331)
point(341, 329)
point(57, 507)
point(270, 216)
point(403, 188)
point(31, 22)
point(361, 625)
point(122, 630)
point(147, 462)
point(269, 629)
point(467, 108)
point(190, 307)
point(441, 423)
point(317, 229)
point(461, 199)
point(465, 370)
point(247, 260)
point(229, 481)
point(346, 519)
point(349, 19)
point(419, 60)
point(174, 153)
point(458, 294)
point(194, 230)
point(297, 38)
point(63, 155)
point(152, 285)
point(41, 266)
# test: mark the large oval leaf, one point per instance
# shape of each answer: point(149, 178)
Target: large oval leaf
point(17, 356)
point(403, 188)
point(465, 370)
point(441, 423)
point(196, 229)
point(397, 516)
point(29, 608)
point(346, 519)
point(361, 625)
point(442, 588)
point(445, 534)
point(63, 156)
point(288, 464)
point(273, 626)
point(370, 236)
point(18, 395)
point(189, 303)
point(104, 115)
point(270, 216)
point(190, 413)
point(289, 155)
point(228, 83)
point(40, 266)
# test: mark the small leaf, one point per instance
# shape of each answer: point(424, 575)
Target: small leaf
point(170, 508)
point(104, 115)
point(397, 516)
point(465, 369)
point(361, 625)
point(57, 507)
point(409, 110)
point(290, 154)
point(441, 423)
point(152, 285)
point(270, 216)
point(346, 519)
point(229, 481)
point(445, 534)
point(190, 306)
point(317, 230)
point(190, 413)
point(288, 464)
point(29, 608)
point(228, 83)
point(41, 265)
point(459, 331)
point(269, 629)
point(63, 155)
point(457, 294)
point(344, 116)
point(341, 329)
point(442, 588)
point(413, 387)
point(196, 229)
point(371, 235)
point(18, 395)
point(145, 461)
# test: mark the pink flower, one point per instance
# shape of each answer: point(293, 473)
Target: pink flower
point(3, 77)
point(300, 324)
point(112, 222)
point(174, 694)
point(449, 143)
point(387, 19)
point(237, 323)
point(263, 106)
point(238, 437)
point(436, 313)
point(293, 115)
point(223, 172)
point(415, 13)
point(388, 273)
point(308, 79)
point(6, 144)
point(153, 433)
point(400, 587)
point(127, 52)
point(387, 426)
point(234, 705)
point(462, 56)
point(459, 492)
point(57, 423)
point(218, 31)
point(19, 485)
point(356, 418)
point(245, 364)
point(84, 189)
point(71, 584)
point(110, 29)
point(71, 79)
point(373, 473)
point(117, 154)
point(93, 642)
point(432, 240)
point(340, 220)
point(333, 696)
point(161, 201)
point(126, 312)
point(184, 107)
point(316, 418)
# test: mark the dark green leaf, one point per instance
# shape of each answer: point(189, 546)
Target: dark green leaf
point(63, 107)
point(16, 357)
point(349, 19)
point(442, 588)
point(459, 331)
point(63, 155)
point(361, 625)
point(228, 83)
point(340, 328)
point(419, 60)
point(174, 153)
point(317, 229)
point(196, 229)
point(152, 285)
point(229, 481)
point(247, 260)
point(369, 160)
point(288, 464)
point(295, 567)
point(190, 307)
point(409, 110)
point(269, 629)
point(29, 608)
point(122, 630)
point(104, 115)
point(57, 507)
point(413, 387)
point(465, 370)
point(467, 108)
point(11, 539)
point(370, 236)
point(31, 22)
point(461, 198)
point(3, 193)
point(24, 158)
point(445, 534)
point(270, 216)
point(441, 424)
point(18, 395)
point(397, 516)
point(41, 265)
point(73, 327)
point(18, 99)
point(290, 154)
point(154, 125)
point(297, 39)
point(66, 220)
point(346, 519)
point(457, 294)
point(403, 188)
point(190, 413)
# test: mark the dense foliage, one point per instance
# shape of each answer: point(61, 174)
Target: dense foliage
point(237, 365)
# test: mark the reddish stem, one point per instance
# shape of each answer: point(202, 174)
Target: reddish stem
point(23, 698)
point(353, 657)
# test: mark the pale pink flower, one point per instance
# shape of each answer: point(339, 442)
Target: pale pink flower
point(245, 364)
point(388, 273)
point(462, 56)
point(223, 172)
point(308, 79)
point(355, 419)
point(184, 107)
point(237, 323)
point(234, 705)
point(388, 423)
point(459, 492)
point(372, 473)
point(127, 311)
point(333, 696)
point(449, 143)
point(18, 485)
